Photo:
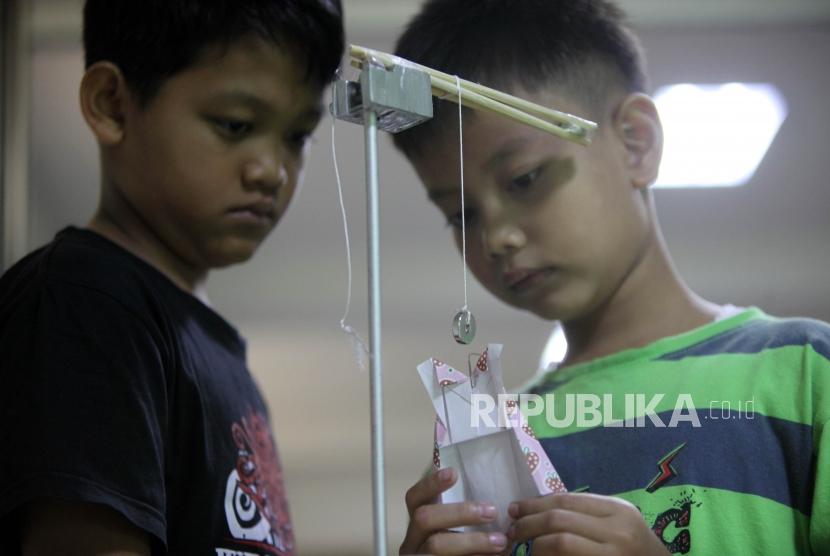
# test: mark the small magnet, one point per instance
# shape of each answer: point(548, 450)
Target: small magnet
point(464, 327)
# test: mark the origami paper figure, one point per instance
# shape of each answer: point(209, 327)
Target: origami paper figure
point(485, 438)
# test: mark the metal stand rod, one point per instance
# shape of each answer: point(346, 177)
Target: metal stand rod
point(370, 125)
point(15, 85)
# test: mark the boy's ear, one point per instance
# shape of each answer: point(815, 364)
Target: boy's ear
point(104, 95)
point(638, 126)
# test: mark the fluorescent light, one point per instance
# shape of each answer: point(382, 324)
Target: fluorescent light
point(716, 135)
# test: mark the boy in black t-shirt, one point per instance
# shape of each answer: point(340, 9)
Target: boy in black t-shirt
point(129, 422)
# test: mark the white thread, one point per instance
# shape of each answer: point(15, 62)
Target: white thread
point(361, 351)
point(463, 215)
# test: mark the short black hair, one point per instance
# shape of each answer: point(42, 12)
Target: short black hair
point(152, 40)
point(582, 47)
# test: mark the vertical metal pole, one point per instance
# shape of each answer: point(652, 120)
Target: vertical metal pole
point(15, 35)
point(5, 25)
point(370, 124)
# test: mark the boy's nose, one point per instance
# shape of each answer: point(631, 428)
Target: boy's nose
point(502, 239)
point(266, 173)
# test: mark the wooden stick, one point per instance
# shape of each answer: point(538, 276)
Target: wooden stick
point(477, 96)
point(542, 112)
point(449, 91)
point(477, 101)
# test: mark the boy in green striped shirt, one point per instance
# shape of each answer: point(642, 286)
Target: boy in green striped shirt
point(680, 426)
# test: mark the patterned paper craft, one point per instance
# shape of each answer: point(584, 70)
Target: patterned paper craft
point(494, 450)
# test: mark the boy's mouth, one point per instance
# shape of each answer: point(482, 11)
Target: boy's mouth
point(523, 279)
point(264, 211)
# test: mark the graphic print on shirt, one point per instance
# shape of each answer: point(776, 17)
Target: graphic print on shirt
point(255, 505)
point(673, 525)
point(667, 471)
point(679, 516)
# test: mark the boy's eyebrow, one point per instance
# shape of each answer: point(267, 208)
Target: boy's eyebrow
point(241, 97)
point(244, 97)
point(506, 151)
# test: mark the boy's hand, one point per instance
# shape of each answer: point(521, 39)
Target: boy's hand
point(429, 521)
point(572, 524)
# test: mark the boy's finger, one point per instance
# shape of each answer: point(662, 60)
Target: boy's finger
point(437, 517)
point(557, 521)
point(432, 519)
point(567, 544)
point(582, 502)
point(458, 544)
point(429, 487)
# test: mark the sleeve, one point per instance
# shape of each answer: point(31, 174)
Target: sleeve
point(820, 514)
point(84, 405)
point(817, 360)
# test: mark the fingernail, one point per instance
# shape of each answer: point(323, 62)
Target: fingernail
point(513, 510)
point(498, 540)
point(445, 475)
point(488, 511)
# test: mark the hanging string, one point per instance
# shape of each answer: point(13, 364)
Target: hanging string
point(463, 211)
point(361, 351)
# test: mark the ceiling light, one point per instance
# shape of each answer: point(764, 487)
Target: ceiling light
point(716, 135)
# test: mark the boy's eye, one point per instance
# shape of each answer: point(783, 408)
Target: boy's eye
point(524, 181)
point(299, 139)
point(235, 129)
point(454, 220)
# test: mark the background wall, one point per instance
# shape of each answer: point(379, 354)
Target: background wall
point(763, 244)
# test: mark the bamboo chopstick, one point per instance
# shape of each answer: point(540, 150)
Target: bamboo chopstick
point(475, 100)
point(476, 96)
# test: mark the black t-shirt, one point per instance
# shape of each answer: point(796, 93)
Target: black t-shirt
point(119, 388)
